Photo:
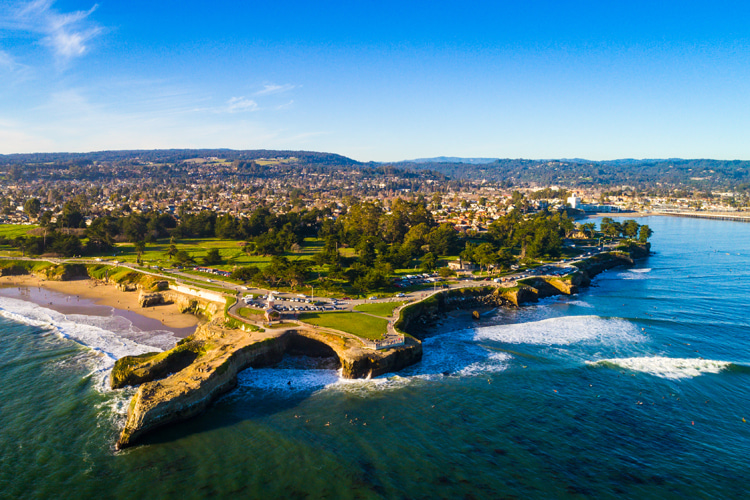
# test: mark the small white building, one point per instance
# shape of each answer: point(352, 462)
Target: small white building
point(574, 201)
point(461, 265)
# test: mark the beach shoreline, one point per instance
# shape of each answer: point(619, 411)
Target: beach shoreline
point(94, 298)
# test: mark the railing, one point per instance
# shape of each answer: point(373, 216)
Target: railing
point(384, 344)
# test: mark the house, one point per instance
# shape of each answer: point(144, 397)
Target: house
point(461, 265)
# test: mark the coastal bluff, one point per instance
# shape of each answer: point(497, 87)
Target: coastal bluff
point(418, 318)
point(180, 383)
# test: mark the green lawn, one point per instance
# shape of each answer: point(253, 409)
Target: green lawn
point(15, 230)
point(230, 250)
point(250, 313)
point(361, 325)
point(283, 325)
point(384, 309)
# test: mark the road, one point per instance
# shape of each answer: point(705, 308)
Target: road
point(288, 299)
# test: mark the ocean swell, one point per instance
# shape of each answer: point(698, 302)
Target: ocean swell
point(563, 330)
point(671, 368)
point(106, 337)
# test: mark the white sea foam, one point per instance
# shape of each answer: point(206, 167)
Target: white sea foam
point(102, 335)
point(293, 381)
point(671, 368)
point(494, 363)
point(579, 303)
point(634, 274)
point(457, 354)
point(563, 330)
point(454, 354)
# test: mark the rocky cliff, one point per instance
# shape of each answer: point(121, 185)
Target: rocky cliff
point(206, 365)
point(422, 314)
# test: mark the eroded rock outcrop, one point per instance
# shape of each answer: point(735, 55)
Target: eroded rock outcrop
point(206, 364)
point(150, 299)
point(422, 314)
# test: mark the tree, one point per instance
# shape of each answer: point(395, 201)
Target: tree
point(139, 247)
point(101, 233)
point(45, 219)
point(443, 240)
point(366, 251)
point(135, 226)
point(182, 257)
point(485, 255)
point(429, 261)
point(610, 227)
point(467, 254)
point(519, 202)
point(588, 229)
point(246, 273)
point(416, 238)
point(71, 216)
point(32, 207)
point(213, 257)
point(505, 258)
point(171, 251)
point(630, 228)
point(645, 233)
point(68, 245)
point(446, 271)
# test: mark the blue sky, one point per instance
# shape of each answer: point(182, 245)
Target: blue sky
point(379, 80)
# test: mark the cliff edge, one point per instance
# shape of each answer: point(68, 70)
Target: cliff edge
point(182, 382)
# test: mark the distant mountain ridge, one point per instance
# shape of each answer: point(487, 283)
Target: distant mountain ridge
point(177, 155)
point(702, 174)
point(484, 161)
point(453, 159)
point(693, 174)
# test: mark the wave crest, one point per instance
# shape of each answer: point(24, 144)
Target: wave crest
point(563, 330)
point(671, 368)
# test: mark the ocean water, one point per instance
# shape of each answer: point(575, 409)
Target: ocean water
point(639, 387)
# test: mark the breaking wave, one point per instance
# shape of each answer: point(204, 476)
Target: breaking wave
point(106, 337)
point(453, 354)
point(634, 274)
point(563, 330)
point(671, 368)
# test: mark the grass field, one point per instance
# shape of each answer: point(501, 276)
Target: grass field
point(384, 309)
point(15, 230)
point(230, 250)
point(250, 313)
point(283, 325)
point(360, 325)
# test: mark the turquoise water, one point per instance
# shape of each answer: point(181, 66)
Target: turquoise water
point(635, 388)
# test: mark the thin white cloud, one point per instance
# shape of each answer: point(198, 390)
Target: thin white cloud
point(272, 88)
point(6, 61)
point(285, 106)
point(68, 35)
point(11, 71)
point(241, 104)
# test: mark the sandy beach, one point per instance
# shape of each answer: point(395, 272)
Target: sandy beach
point(94, 298)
